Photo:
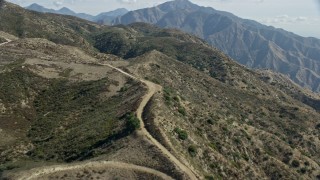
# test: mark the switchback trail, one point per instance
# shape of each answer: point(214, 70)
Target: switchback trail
point(152, 89)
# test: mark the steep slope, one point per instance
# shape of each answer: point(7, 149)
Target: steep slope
point(86, 114)
point(219, 129)
point(139, 38)
point(107, 17)
point(136, 39)
point(56, 28)
point(215, 124)
point(248, 42)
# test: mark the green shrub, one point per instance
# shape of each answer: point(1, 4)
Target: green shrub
point(176, 98)
point(123, 89)
point(237, 140)
point(209, 177)
point(303, 170)
point(214, 165)
point(213, 146)
point(210, 121)
point(132, 123)
point(167, 93)
point(182, 111)
point(192, 150)
point(295, 163)
point(182, 134)
point(306, 163)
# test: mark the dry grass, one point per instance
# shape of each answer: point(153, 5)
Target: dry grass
point(225, 126)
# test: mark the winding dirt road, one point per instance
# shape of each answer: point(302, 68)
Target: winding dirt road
point(152, 89)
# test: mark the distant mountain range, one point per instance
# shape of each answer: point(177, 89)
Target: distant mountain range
point(248, 42)
point(102, 18)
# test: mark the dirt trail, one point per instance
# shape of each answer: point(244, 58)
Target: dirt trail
point(152, 89)
point(8, 40)
point(37, 174)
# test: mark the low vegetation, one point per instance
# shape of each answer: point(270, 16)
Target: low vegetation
point(223, 126)
point(173, 101)
point(182, 134)
point(138, 39)
point(64, 120)
point(75, 107)
point(56, 28)
point(192, 150)
point(132, 122)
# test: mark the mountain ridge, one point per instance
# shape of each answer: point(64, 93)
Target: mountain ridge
point(63, 10)
point(102, 18)
point(246, 41)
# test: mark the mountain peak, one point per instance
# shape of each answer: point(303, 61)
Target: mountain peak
point(66, 11)
point(114, 13)
point(178, 4)
point(183, 2)
point(38, 8)
point(35, 5)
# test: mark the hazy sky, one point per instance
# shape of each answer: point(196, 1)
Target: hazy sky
point(299, 16)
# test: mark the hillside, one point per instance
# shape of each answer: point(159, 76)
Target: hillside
point(58, 106)
point(248, 42)
point(219, 129)
point(142, 102)
point(60, 29)
point(218, 96)
point(86, 114)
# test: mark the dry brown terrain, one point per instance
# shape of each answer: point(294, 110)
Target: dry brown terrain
point(83, 101)
point(78, 71)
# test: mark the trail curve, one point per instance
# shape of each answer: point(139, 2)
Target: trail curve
point(152, 89)
point(8, 40)
point(38, 173)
